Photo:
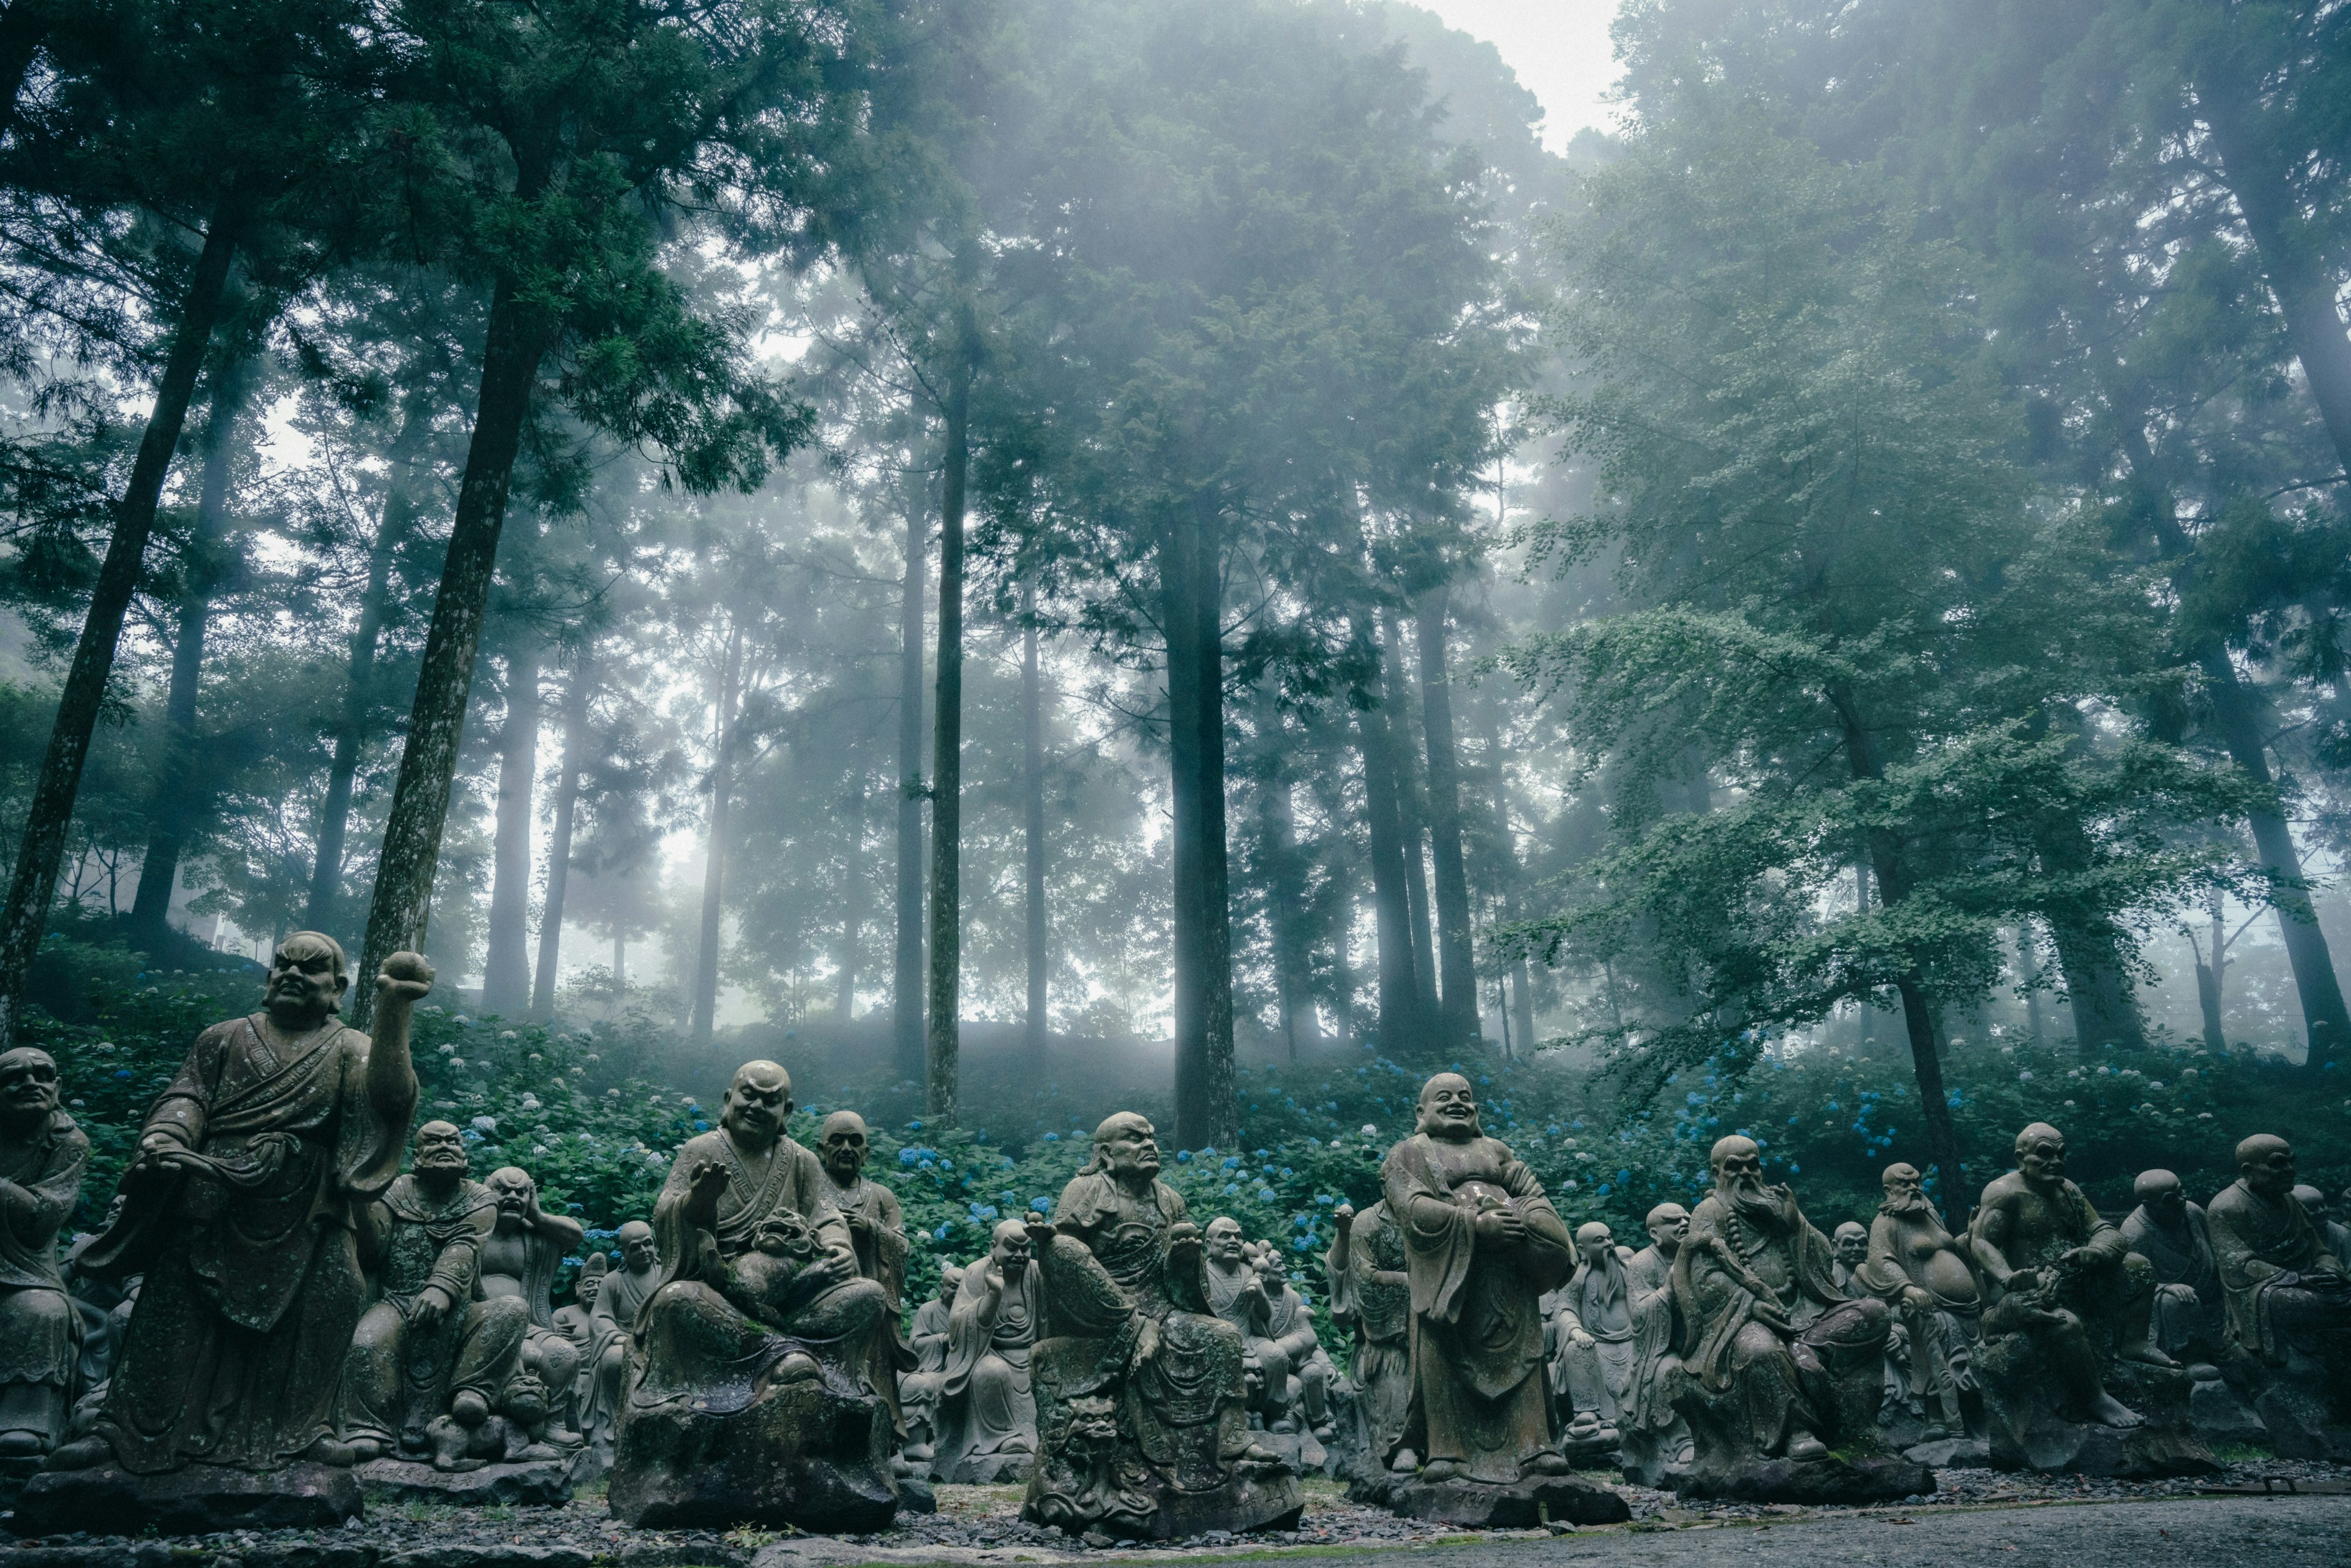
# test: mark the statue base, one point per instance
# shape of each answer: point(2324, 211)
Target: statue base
point(800, 1453)
point(198, 1499)
point(1246, 1503)
point(2029, 1430)
point(1301, 1451)
point(1951, 1453)
point(991, 1471)
point(14, 1474)
point(2301, 1423)
point(2217, 1411)
point(414, 1480)
point(1810, 1483)
point(1536, 1501)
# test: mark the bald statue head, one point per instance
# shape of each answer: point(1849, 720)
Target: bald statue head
point(1668, 1226)
point(640, 1254)
point(2161, 1194)
point(2041, 1157)
point(307, 981)
point(441, 1160)
point(1007, 1244)
point(2266, 1163)
point(1852, 1244)
point(1224, 1242)
point(1905, 1189)
point(841, 1145)
point(29, 1089)
point(758, 1101)
point(1127, 1147)
point(1593, 1239)
point(1449, 1108)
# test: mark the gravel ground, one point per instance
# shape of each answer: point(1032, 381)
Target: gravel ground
point(982, 1525)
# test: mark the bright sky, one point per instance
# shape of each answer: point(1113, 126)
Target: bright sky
point(1559, 48)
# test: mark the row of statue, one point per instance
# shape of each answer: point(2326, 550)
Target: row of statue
point(271, 1290)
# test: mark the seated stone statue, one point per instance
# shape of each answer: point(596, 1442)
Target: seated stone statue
point(1290, 1356)
point(986, 1414)
point(1851, 1242)
point(621, 1297)
point(2062, 1279)
point(1656, 1434)
point(1482, 1244)
point(1597, 1330)
point(918, 1390)
point(431, 1361)
point(1370, 1294)
point(752, 1400)
point(1780, 1362)
point(1143, 1424)
point(2288, 1299)
point(42, 1154)
point(575, 1319)
point(519, 1262)
point(2169, 1232)
point(1928, 1276)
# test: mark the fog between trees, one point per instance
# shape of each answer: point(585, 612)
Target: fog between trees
point(1177, 532)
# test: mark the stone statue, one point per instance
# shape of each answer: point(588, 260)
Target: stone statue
point(1370, 1294)
point(752, 1400)
point(2170, 1233)
point(42, 1154)
point(519, 1262)
point(2288, 1302)
point(576, 1319)
point(620, 1298)
point(431, 1361)
point(242, 1210)
point(1143, 1426)
point(918, 1391)
point(879, 1237)
point(1656, 1436)
point(1482, 1244)
point(1780, 1362)
point(1851, 1241)
point(1597, 1331)
point(2338, 1227)
point(987, 1415)
point(1297, 1369)
point(1928, 1276)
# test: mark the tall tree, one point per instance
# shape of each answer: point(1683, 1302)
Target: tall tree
point(1035, 1025)
point(574, 760)
point(943, 1040)
point(724, 739)
point(1456, 965)
point(907, 989)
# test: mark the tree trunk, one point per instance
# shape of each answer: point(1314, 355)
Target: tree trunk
point(703, 1020)
point(184, 795)
point(1032, 746)
point(506, 963)
point(1456, 965)
point(400, 509)
point(2028, 951)
point(49, 814)
point(436, 721)
point(1191, 564)
point(1414, 825)
point(1522, 1000)
point(853, 907)
point(906, 983)
point(1285, 896)
point(1401, 1030)
point(2097, 990)
point(943, 1040)
point(559, 848)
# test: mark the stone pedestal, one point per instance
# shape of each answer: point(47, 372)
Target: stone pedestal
point(801, 1453)
point(1951, 1453)
point(1812, 1483)
point(2218, 1413)
point(2029, 1431)
point(1301, 1451)
point(1539, 1499)
point(14, 1474)
point(991, 1471)
point(410, 1480)
point(200, 1499)
point(2301, 1422)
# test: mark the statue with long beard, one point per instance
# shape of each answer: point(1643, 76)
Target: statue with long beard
point(1920, 1269)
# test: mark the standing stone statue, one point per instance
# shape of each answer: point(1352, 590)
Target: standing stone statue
point(519, 1262)
point(1289, 1355)
point(1656, 1436)
point(1598, 1333)
point(752, 1400)
point(2289, 1302)
point(621, 1299)
point(987, 1418)
point(1780, 1362)
point(2068, 1326)
point(1141, 1422)
point(42, 1154)
point(918, 1391)
point(1928, 1276)
point(241, 1212)
point(1482, 1244)
point(1371, 1293)
point(430, 1360)
point(879, 1236)
point(2169, 1232)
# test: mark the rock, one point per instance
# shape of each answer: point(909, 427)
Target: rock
point(2301, 1425)
point(488, 1557)
point(1302, 1451)
point(915, 1496)
point(2218, 1415)
point(409, 1480)
point(14, 1474)
point(1951, 1453)
point(200, 1499)
point(801, 1453)
point(1533, 1502)
point(1812, 1483)
point(2027, 1432)
point(992, 1470)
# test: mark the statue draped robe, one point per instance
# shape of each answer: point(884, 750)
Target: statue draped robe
point(1371, 1290)
point(40, 1328)
point(882, 1258)
point(398, 1380)
point(2253, 1243)
point(253, 1288)
point(984, 1403)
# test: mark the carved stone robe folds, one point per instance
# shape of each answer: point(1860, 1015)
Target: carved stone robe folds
point(2254, 1243)
point(40, 1328)
point(2188, 1295)
point(1477, 1324)
point(253, 1285)
point(1372, 1292)
point(882, 1258)
point(398, 1380)
point(985, 1404)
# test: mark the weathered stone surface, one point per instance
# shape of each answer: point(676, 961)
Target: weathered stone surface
point(200, 1499)
point(2219, 1415)
point(1553, 1499)
point(801, 1453)
point(489, 1557)
point(1951, 1453)
point(1242, 1504)
point(915, 1496)
point(1301, 1451)
point(2029, 1432)
point(407, 1481)
point(992, 1469)
point(2301, 1422)
point(14, 1474)
point(1880, 1477)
